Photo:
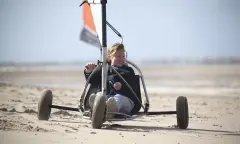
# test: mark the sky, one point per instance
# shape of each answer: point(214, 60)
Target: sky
point(48, 30)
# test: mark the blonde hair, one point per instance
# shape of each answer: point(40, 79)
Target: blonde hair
point(115, 48)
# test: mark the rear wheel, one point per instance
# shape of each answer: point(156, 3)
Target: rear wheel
point(44, 108)
point(182, 112)
point(98, 111)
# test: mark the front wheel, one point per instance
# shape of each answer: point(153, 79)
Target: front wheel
point(98, 111)
point(182, 112)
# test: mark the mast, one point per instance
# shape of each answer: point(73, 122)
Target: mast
point(94, 32)
point(104, 48)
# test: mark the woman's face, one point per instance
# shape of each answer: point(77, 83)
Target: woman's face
point(118, 59)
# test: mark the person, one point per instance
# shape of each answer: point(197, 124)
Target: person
point(119, 97)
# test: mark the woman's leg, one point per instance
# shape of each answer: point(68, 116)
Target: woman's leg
point(124, 104)
point(116, 103)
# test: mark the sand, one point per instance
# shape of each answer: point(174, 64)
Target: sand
point(213, 93)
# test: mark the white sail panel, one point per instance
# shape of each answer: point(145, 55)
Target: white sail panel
point(96, 8)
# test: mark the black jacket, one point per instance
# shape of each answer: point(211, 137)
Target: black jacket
point(126, 72)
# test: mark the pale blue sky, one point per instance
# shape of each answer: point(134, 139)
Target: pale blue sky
point(48, 30)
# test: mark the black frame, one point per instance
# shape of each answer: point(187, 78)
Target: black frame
point(104, 45)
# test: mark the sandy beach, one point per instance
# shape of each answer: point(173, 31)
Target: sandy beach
point(213, 93)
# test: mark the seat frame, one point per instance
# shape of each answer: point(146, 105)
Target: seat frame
point(136, 91)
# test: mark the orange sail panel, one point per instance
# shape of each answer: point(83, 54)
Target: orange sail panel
point(92, 25)
point(88, 17)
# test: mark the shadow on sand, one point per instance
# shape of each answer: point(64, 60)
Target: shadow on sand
point(154, 128)
point(135, 128)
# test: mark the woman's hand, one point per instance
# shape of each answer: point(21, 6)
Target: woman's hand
point(117, 86)
point(90, 67)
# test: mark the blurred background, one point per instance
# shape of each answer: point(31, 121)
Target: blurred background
point(156, 30)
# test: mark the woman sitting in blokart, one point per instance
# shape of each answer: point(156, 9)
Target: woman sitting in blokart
point(120, 98)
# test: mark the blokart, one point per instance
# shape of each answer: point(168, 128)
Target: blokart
point(98, 114)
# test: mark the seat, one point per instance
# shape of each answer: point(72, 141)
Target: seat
point(136, 88)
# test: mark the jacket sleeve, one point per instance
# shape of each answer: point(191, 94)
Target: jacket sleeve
point(96, 77)
point(131, 80)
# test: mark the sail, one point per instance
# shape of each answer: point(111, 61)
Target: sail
point(92, 30)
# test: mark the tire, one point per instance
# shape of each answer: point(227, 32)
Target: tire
point(182, 112)
point(44, 108)
point(98, 111)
